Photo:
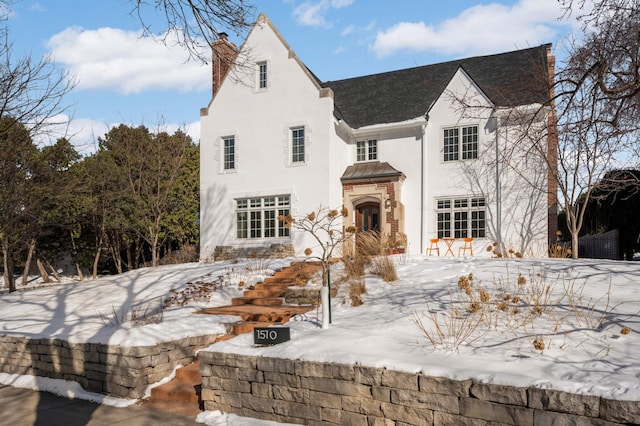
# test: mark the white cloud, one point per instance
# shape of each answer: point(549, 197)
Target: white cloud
point(354, 29)
point(114, 59)
point(337, 4)
point(83, 133)
point(477, 30)
point(191, 129)
point(313, 13)
point(37, 7)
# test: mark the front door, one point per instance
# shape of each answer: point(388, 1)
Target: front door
point(368, 217)
point(368, 228)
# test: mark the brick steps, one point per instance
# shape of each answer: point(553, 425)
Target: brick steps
point(261, 306)
point(243, 327)
point(261, 301)
point(255, 312)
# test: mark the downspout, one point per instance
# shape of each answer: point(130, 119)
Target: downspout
point(498, 190)
point(424, 127)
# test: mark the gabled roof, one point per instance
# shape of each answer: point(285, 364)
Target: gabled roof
point(508, 79)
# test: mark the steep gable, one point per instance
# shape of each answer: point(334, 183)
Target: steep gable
point(508, 79)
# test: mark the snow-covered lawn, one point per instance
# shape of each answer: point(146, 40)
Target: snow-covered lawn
point(582, 334)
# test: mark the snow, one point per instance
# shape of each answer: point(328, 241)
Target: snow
point(585, 350)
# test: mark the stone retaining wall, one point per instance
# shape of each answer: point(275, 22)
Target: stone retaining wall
point(270, 251)
point(119, 371)
point(313, 393)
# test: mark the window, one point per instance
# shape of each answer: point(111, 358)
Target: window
point(259, 217)
point(469, 142)
point(297, 145)
point(229, 153)
point(367, 150)
point(461, 217)
point(262, 75)
point(453, 145)
point(450, 144)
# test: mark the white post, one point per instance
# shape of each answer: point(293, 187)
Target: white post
point(324, 300)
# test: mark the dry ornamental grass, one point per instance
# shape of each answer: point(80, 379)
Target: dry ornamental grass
point(520, 306)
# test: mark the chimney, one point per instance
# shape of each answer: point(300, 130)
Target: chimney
point(224, 54)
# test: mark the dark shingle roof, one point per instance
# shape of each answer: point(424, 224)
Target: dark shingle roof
point(508, 79)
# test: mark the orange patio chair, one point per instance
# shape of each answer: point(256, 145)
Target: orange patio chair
point(466, 246)
point(433, 247)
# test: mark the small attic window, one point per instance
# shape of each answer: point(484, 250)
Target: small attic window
point(262, 75)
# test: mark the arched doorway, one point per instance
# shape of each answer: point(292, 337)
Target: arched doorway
point(368, 217)
point(368, 224)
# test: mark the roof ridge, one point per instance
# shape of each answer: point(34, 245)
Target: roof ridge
point(452, 61)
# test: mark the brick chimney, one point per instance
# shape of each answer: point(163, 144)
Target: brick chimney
point(224, 54)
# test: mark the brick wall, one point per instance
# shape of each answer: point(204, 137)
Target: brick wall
point(119, 371)
point(314, 393)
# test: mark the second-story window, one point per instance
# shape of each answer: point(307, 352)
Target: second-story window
point(297, 145)
point(262, 75)
point(453, 145)
point(367, 150)
point(229, 153)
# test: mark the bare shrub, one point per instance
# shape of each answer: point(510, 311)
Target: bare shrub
point(586, 312)
point(138, 314)
point(507, 253)
point(257, 264)
point(559, 250)
point(199, 291)
point(356, 290)
point(354, 262)
point(450, 329)
point(385, 267)
point(371, 244)
point(513, 304)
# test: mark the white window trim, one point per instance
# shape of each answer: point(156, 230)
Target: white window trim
point(459, 127)
point(223, 154)
point(288, 143)
point(367, 142)
point(219, 152)
point(256, 87)
point(469, 209)
point(277, 207)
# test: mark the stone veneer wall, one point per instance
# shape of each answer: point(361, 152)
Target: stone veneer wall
point(273, 251)
point(119, 371)
point(314, 393)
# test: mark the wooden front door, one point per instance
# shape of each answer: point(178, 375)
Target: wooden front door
point(368, 217)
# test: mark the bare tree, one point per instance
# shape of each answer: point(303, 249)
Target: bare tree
point(31, 96)
point(197, 22)
point(598, 102)
point(593, 107)
point(325, 227)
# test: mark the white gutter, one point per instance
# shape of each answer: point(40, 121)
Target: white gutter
point(377, 129)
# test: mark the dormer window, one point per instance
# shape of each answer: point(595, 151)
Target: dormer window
point(262, 75)
point(367, 150)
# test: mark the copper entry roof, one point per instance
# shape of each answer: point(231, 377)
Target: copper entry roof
point(371, 171)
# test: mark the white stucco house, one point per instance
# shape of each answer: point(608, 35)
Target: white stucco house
point(433, 151)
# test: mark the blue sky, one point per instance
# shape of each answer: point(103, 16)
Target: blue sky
point(123, 78)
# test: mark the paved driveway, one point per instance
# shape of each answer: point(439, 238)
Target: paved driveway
point(23, 407)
